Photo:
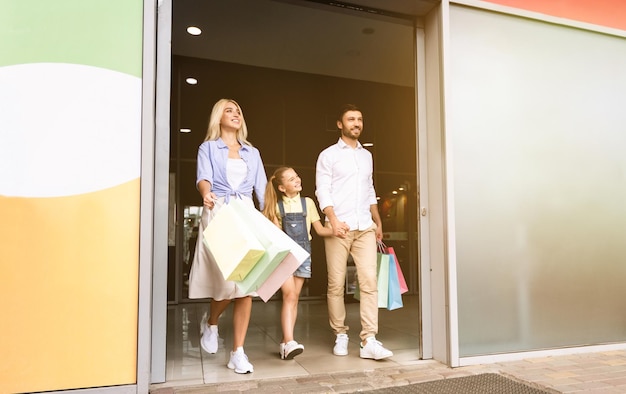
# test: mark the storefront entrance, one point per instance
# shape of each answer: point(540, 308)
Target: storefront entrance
point(290, 65)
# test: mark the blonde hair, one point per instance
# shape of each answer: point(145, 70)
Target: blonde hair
point(214, 130)
point(272, 193)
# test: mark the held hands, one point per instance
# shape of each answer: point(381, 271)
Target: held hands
point(208, 200)
point(340, 229)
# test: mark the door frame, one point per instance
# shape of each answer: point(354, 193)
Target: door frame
point(160, 200)
point(423, 265)
point(160, 192)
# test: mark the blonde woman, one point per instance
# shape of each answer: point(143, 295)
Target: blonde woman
point(228, 167)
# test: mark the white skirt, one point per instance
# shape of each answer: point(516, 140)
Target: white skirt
point(206, 279)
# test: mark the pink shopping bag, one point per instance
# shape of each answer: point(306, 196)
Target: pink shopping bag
point(285, 269)
point(403, 287)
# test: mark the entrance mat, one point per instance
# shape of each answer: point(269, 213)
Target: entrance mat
point(487, 383)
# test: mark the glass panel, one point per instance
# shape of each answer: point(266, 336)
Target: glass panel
point(538, 149)
point(397, 206)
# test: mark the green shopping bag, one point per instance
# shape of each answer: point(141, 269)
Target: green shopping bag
point(276, 243)
point(383, 261)
point(382, 266)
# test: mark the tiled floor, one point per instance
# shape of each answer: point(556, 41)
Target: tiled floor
point(192, 371)
point(187, 364)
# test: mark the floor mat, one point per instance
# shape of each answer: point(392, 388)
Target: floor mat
point(487, 383)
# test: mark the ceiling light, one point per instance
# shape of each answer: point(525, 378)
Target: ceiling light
point(368, 144)
point(194, 31)
point(191, 81)
point(185, 130)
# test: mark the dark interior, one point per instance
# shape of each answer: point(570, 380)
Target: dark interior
point(291, 118)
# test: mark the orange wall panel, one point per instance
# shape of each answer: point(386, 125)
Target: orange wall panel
point(608, 13)
point(69, 294)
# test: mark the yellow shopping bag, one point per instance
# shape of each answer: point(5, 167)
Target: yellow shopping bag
point(232, 243)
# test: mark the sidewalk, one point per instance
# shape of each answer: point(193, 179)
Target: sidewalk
point(601, 373)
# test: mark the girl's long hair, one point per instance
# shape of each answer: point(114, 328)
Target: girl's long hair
point(214, 131)
point(272, 193)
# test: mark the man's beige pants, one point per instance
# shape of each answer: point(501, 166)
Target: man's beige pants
point(362, 246)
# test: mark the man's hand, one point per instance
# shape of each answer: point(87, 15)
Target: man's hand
point(340, 229)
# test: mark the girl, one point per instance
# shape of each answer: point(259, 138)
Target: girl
point(295, 215)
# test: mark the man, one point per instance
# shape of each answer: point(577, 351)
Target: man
point(345, 191)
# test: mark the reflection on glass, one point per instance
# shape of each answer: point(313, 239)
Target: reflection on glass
point(395, 207)
point(191, 220)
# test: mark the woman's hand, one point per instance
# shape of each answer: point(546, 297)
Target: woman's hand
point(208, 200)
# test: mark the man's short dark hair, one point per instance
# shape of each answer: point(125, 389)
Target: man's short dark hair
point(346, 108)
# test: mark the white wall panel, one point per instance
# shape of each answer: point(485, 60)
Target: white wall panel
point(535, 117)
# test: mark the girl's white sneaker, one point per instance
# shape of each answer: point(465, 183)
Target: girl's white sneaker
point(290, 350)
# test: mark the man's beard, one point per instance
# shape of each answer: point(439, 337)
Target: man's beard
point(350, 133)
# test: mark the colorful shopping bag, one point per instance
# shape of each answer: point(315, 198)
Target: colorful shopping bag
point(275, 251)
point(382, 279)
point(277, 245)
point(233, 245)
point(285, 269)
point(403, 287)
point(394, 295)
point(357, 289)
point(267, 264)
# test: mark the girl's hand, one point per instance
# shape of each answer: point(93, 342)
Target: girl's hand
point(340, 229)
point(208, 200)
point(321, 230)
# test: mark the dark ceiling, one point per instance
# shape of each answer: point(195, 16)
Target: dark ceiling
point(360, 39)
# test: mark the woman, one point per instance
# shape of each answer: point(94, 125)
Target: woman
point(228, 167)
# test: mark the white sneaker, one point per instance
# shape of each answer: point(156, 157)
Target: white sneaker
point(374, 350)
point(209, 339)
point(239, 362)
point(341, 345)
point(290, 350)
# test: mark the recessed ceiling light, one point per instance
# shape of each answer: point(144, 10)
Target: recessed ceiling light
point(185, 130)
point(194, 31)
point(191, 81)
point(368, 144)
